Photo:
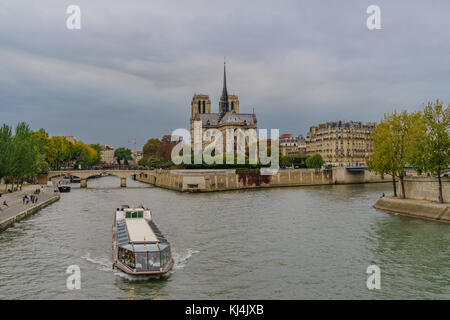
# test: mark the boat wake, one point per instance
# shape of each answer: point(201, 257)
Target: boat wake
point(102, 263)
point(182, 259)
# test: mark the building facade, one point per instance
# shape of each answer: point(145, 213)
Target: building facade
point(290, 145)
point(107, 154)
point(228, 117)
point(341, 143)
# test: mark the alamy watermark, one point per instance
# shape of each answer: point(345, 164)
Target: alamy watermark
point(74, 280)
point(207, 146)
point(374, 20)
point(374, 279)
point(73, 22)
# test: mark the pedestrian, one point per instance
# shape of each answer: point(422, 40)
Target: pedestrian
point(5, 204)
point(36, 200)
point(23, 200)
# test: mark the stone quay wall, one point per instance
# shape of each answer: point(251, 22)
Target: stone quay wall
point(425, 188)
point(227, 179)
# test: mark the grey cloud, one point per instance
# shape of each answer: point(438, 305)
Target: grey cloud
point(134, 66)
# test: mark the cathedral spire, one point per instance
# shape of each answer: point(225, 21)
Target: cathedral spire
point(224, 76)
point(223, 104)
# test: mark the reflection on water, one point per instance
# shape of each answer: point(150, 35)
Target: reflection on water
point(290, 243)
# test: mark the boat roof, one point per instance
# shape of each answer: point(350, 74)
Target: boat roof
point(139, 231)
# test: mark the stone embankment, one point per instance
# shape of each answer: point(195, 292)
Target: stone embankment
point(421, 199)
point(223, 180)
point(415, 208)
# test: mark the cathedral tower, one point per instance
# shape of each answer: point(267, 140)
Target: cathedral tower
point(200, 104)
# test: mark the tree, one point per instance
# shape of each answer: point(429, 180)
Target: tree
point(382, 160)
point(151, 147)
point(165, 147)
point(296, 160)
point(83, 155)
point(123, 154)
point(151, 161)
point(40, 142)
point(432, 153)
point(58, 152)
point(393, 141)
point(98, 149)
point(5, 151)
point(315, 161)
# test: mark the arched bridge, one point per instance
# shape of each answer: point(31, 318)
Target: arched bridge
point(85, 174)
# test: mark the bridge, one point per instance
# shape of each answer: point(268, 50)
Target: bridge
point(85, 174)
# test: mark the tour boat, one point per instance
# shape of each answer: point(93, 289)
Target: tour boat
point(64, 186)
point(139, 248)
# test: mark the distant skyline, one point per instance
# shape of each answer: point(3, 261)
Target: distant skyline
point(132, 69)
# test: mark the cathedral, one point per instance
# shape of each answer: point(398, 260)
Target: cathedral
point(228, 116)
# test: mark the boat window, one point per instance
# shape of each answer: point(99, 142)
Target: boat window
point(154, 260)
point(165, 256)
point(128, 214)
point(126, 257)
point(134, 214)
point(141, 261)
point(140, 214)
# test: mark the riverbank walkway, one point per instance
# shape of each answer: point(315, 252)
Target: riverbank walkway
point(17, 210)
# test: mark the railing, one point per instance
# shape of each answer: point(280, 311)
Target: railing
point(121, 167)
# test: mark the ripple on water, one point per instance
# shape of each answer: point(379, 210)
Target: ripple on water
point(290, 243)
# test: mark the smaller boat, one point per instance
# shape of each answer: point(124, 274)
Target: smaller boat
point(64, 185)
point(139, 248)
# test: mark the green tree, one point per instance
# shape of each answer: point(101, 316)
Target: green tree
point(297, 160)
point(40, 141)
point(394, 141)
point(5, 152)
point(24, 155)
point(98, 149)
point(123, 154)
point(151, 147)
point(83, 155)
point(315, 161)
point(432, 151)
point(58, 152)
point(382, 160)
point(151, 161)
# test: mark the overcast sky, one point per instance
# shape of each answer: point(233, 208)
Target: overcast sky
point(132, 69)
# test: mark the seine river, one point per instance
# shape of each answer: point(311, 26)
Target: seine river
point(286, 243)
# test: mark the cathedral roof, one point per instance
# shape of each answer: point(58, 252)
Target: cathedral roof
point(216, 120)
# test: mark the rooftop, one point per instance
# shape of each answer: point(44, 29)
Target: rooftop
point(140, 231)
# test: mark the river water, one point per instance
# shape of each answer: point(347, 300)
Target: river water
point(281, 243)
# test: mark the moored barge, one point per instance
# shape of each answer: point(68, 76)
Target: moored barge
point(64, 186)
point(139, 248)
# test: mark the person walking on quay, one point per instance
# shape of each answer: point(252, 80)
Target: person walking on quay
point(5, 204)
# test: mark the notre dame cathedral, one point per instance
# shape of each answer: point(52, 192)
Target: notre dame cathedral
point(228, 116)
